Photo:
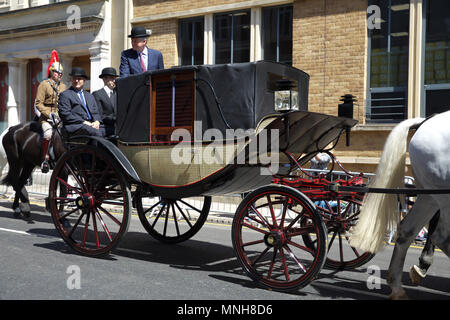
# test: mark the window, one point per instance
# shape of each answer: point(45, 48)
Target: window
point(388, 53)
point(277, 34)
point(191, 41)
point(437, 56)
point(232, 37)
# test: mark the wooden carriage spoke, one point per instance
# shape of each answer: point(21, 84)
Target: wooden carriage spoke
point(292, 255)
point(311, 251)
point(184, 216)
point(330, 244)
point(254, 228)
point(265, 222)
point(283, 261)
point(76, 224)
point(262, 254)
point(65, 215)
point(161, 210)
point(251, 243)
point(109, 215)
point(86, 228)
point(175, 218)
point(94, 221)
point(105, 228)
point(272, 213)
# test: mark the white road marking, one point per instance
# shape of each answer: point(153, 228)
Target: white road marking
point(15, 231)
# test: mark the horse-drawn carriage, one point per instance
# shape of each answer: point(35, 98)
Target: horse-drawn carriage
point(186, 134)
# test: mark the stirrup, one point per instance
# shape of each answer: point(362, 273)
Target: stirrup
point(45, 168)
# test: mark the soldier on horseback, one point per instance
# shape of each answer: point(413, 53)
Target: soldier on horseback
point(47, 103)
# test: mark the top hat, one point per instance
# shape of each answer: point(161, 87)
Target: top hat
point(139, 32)
point(78, 72)
point(108, 72)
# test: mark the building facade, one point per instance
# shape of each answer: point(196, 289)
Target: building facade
point(393, 55)
point(86, 33)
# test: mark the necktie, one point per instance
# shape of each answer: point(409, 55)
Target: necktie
point(142, 62)
point(83, 102)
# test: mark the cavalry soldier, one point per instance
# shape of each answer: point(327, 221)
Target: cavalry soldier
point(46, 103)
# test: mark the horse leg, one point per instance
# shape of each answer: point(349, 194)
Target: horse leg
point(23, 193)
point(407, 230)
point(418, 272)
point(441, 234)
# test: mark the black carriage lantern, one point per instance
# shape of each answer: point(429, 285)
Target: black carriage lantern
point(345, 109)
point(286, 96)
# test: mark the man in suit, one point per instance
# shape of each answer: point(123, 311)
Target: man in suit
point(140, 58)
point(106, 100)
point(78, 109)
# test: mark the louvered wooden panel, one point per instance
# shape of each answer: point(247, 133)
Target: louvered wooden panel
point(167, 117)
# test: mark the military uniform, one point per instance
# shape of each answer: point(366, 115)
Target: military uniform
point(46, 98)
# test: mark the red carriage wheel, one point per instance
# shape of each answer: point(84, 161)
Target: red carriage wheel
point(89, 200)
point(172, 220)
point(268, 242)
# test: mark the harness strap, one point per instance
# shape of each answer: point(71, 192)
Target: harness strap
point(407, 191)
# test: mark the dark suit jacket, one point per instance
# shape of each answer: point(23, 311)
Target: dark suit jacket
point(130, 64)
point(72, 112)
point(107, 108)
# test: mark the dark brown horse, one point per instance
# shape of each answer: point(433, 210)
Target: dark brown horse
point(22, 144)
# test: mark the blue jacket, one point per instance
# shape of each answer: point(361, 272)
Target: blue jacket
point(72, 112)
point(130, 64)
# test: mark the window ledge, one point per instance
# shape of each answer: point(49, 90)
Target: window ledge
point(374, 127)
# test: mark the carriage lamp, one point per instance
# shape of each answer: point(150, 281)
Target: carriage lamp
point(345, 109)
point(286, 96)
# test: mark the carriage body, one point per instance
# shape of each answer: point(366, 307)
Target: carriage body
point(225, 118)
point(189, 133)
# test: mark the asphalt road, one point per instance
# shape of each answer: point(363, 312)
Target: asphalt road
point(36, 264)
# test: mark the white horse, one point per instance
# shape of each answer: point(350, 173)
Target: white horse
point(429, 152)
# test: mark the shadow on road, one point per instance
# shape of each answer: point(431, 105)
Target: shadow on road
point(221, 264)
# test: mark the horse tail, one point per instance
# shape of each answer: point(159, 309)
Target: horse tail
point(379, 211)
point(10, 146)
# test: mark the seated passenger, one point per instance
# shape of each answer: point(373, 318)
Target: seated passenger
point(78, 109)
point(106, 99)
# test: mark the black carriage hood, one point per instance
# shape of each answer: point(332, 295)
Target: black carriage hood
point(244, 92)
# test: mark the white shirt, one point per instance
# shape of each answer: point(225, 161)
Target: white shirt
point(108, 91)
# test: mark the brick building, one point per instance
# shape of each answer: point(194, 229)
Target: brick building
point(393, 55)
point(86, 33)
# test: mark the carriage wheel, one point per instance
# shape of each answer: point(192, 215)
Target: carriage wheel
point(89, 200)
point(270, 249)
point(172, 220)
point(339, 217)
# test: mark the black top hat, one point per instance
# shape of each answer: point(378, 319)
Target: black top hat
point(139, 32)
point(78, 72)
point(109, 72)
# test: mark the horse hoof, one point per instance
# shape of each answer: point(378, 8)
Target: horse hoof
point(17, 213)
point(26, 214)
point(416, 275)
point(398, 294)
